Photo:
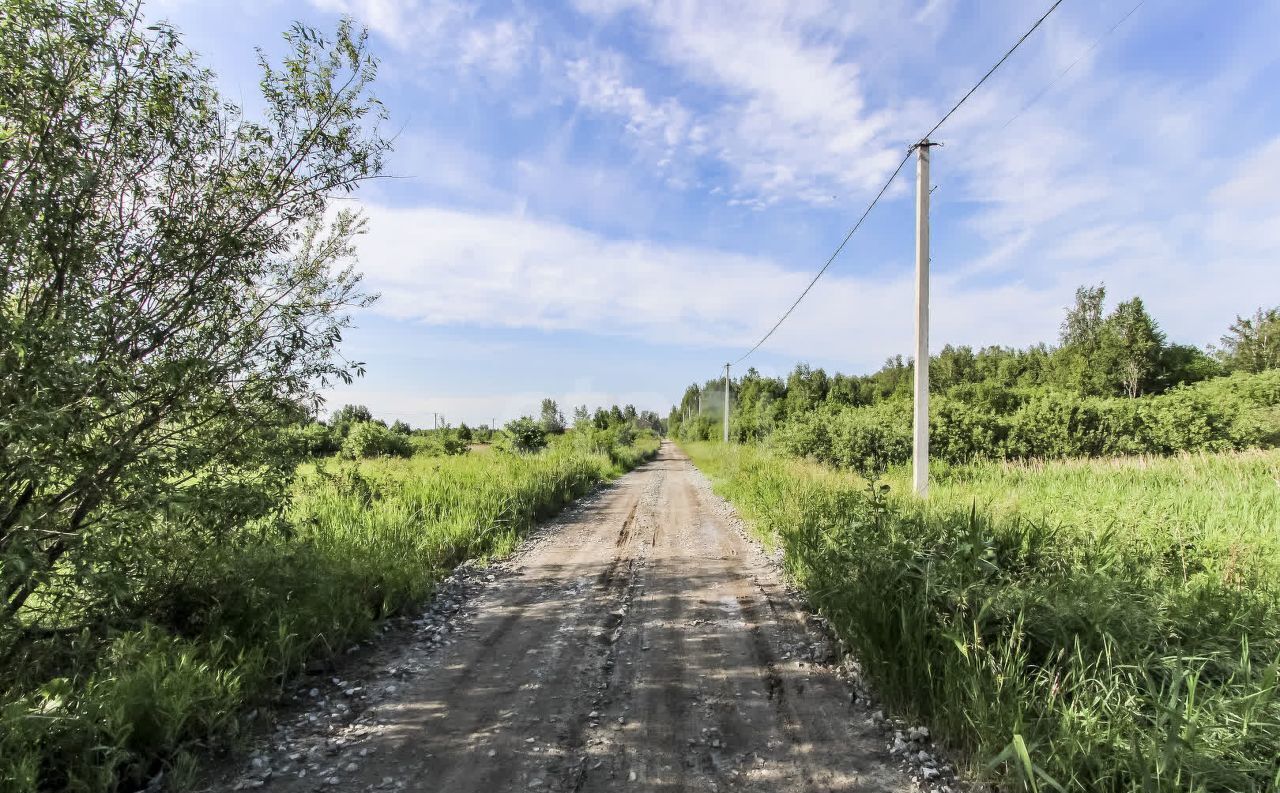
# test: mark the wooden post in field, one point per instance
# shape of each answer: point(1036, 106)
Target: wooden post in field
point(726, 403)
point(920, 415)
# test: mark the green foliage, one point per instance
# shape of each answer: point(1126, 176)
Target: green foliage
point(1252, 344)
point(349, 414)
point(369, 439)
point(1132, 346)
point(1039, 424)
point(401, 428)
point(172, 294)
point(526, 435)
point(1112, 626)
point(552, 420)
point(226, 625)
point(452, 443)
point(1002, 402)
point(318, 440)
point(867, 440)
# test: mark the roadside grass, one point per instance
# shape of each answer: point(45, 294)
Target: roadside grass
point(227, 626)
point(1105, 625)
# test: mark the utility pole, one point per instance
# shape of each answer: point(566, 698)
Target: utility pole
point(920, 416)
point(726, 403)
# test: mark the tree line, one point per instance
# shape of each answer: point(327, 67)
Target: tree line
point(1113, 383)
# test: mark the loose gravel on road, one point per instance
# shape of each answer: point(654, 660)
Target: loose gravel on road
point(640, 641)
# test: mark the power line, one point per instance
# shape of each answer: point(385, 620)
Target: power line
point(992, 70)
point(894, 175)
point(1072, 65)
point(831, 259)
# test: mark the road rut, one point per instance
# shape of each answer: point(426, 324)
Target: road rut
point(640, 643)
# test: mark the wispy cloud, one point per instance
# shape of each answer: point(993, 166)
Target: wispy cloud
point(800, 103)
point(445, 32)
point(790, 116)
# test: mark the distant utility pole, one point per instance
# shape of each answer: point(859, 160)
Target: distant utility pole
point(726, 403)
point(920, 417)
point(435, 424)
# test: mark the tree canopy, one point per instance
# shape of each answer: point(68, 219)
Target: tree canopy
point(173, 288)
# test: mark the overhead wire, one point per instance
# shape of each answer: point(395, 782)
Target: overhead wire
point(830, 259)
point(1072, 65)
point(893, 176)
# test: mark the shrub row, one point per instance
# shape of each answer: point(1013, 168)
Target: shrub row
point(1228, 413)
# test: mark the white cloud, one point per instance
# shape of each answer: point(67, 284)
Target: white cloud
point(448, 267)
point(1246, 210)
point(792, 122)
point(1076, 191)
point(601, 85)
point(448, 32)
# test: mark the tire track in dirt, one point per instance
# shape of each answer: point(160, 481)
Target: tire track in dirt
point(640, 642)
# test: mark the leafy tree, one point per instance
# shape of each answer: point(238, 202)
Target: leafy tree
point(552, 419)
point(172, 287)
point(464, 433)
point(649, 419)
point(370, 439)
point(805, 389)
point(1182, 364)
point(401, 428)
point(350, 414)
point(629, 414)
point(318, 440)
point(581, 416)
point(615, 416)
point(953, 366)
point(1082, 326)
point(1252, 344)
point(526, 435)
point(344, 417)
point(1076, 362)
point(1130, 346)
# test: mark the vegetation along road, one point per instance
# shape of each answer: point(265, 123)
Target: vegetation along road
point(638, 639)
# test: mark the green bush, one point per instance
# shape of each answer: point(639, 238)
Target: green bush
point(223, 625)
point(452, 443)
point(370, 439)
point(1119, 619)
point(1235, 412)
point(318, 440)
point(526, 435)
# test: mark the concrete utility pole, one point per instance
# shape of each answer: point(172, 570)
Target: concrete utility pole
point(920, 417)
point(726, 403)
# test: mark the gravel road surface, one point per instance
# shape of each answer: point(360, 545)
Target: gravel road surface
point(638, 642)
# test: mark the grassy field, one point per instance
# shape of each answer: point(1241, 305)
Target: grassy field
point(229, 624)
point(1079, 625)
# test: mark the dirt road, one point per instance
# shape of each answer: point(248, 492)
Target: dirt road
point(639, 642)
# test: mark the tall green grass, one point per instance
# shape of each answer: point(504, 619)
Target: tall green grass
point(1109, 625)
point(226, 626)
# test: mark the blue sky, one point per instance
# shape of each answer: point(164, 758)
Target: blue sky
point(604, 200)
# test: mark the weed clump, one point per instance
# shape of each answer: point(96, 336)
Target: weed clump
point(1080, 626)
